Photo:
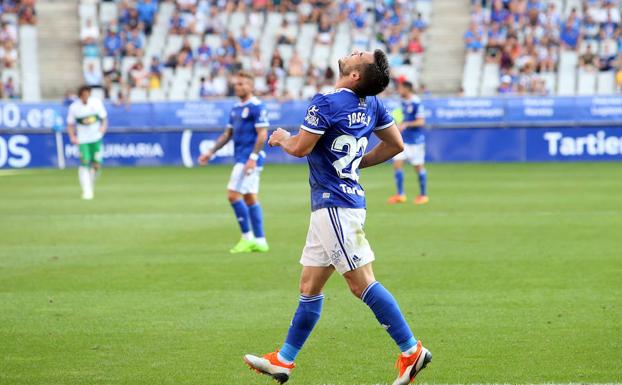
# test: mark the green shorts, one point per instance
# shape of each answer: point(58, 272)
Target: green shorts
point(91, 153)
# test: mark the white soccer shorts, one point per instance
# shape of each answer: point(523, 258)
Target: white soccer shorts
point(414, 153)
point(336, 237)
point(242, 182)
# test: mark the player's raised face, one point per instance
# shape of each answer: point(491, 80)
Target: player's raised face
point(243, 86)
point(352, 62)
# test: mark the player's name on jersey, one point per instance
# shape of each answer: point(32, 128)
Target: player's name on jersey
point(352, 190)
point(358, 117)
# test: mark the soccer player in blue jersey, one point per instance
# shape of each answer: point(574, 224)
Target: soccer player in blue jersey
point(248, 127)
point(333, 137)
point(414, 145)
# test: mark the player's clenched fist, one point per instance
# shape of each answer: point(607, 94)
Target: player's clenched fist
point(278, 136)
point(204, 158)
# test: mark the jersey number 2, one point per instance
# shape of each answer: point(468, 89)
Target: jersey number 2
point(350, 146)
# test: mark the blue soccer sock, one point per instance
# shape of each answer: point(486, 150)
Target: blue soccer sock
point(305, 318)
point(256, 215)
point(423, 181)
point(399, 181)
point(241, 213)
point(388, 313)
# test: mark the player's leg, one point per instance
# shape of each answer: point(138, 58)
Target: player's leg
point(316, 271)
point(279, 364)
point(418, 162)
point(358, 273)
point(84, 174)
point(398, 173)
point(97, 161)
point(414, 356)
point(251, 189)
point(240, 209)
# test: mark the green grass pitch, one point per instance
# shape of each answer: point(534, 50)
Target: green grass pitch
point(512, 274)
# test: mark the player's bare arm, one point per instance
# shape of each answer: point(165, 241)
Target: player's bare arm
point(104, 126)
point(298, 145)
point(390, 145)
point(220, 142)
point(262, 136)
point(71, 130)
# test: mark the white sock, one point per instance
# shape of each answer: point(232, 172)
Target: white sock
point(261, 241)
point(248, 236)
point(93, 173)
point(85, 180)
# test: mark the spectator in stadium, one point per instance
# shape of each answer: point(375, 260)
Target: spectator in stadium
point(606, 60)
point(324, 30)
point(112, 77)
point(178, 25)
point(358, 17)
point(27, 15)
point(588, 60)
point(9, 90)
point(570, 35)
point(495, 42)
point(283, 34)
point(547, 57)
point(204, 54)
point(414, 45)
point(245, 43)
point(112, 43)
point(139, 77)
point(89, 34)
point(8, 32)
point(213, 23)
point(473, 38)
point(155, 73)
point(257, 65)
point(8, 54)
point(147, 10)
point(134, 43)
point(92, 76)
point(296, 65)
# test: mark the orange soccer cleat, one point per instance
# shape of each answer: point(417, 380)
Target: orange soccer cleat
point(410, 366)
point(397, 198)
point(270, 365)
point(421, 200)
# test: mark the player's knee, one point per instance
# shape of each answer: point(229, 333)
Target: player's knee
point(250, 199)
point(233, 196)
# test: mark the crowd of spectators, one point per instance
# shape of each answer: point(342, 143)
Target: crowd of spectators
point(393, 25)
point(526, 38)
point(13, 13)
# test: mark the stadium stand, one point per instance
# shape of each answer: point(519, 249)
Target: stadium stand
point(19, 73)
point(554, 47)
point(189, 49)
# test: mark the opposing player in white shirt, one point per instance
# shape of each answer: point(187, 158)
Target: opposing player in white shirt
point(86, 124)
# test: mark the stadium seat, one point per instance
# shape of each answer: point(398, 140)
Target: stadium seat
point(156, 95)
point(550, 81)
point(566, 82)
point(606, 83)
point(29, 63)
point(490, 79)
point(586, 84)
point(107, 12)
point(294, 85)
point(138, 95)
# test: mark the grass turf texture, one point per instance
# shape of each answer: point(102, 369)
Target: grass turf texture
point(510, 275)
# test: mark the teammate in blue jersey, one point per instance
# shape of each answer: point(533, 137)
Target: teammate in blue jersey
point(248, 127)
point(334, 137)
point(414, 145)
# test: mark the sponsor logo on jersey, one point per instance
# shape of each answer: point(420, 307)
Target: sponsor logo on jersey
point(245, 113)
point(312, 117)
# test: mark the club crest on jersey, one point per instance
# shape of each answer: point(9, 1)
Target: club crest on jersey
point(245, 113)
point(358, 117)
point(312, 117)
point(362, 103)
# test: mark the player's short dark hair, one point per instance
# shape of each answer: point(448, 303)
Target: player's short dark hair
point(83, 88)
point(375, 77)
point(408, 85)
